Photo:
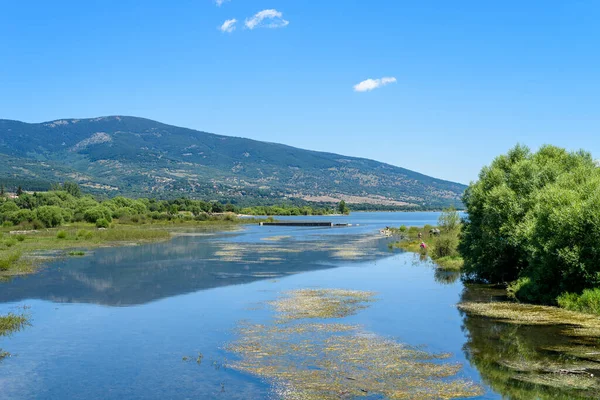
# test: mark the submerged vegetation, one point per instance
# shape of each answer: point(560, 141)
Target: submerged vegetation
point(321, 303)
point(525, 351)
point(534, 223)
point(335, 360)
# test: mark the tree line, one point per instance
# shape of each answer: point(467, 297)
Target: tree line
point(65, 203)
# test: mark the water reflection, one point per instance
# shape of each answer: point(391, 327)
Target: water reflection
point(140, 274)
point(530, 362)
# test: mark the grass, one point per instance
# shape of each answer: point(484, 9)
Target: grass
point(443, 249)
point(588, 301)
point(9, 324)
point(306, 360)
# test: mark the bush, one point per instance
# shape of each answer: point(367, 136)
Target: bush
point(85, 234)
point(202, 217)
point(61, 235)
point(7, 224)
point(445, 246)
point(37, 224)
point(50, 216)
point(102, 223)
point(588, 301)
point(95, 213)
point(20, 216)
point(20, 238)
point(6, 260)
point(10, 242)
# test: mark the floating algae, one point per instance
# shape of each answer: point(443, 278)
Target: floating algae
point(276, 238)
point(321, 303)
point(533, 352)
point(573, 323)
point(334, 360)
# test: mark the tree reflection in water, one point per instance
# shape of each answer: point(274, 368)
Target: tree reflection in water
point(529, 361)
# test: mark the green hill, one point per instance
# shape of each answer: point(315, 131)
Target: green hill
point(140, 157)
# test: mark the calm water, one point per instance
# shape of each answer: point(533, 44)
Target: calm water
point(118, 323)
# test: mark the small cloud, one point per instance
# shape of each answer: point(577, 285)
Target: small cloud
point(228, 26)
point(370, 84)
point(267, 19)
point(219, 3)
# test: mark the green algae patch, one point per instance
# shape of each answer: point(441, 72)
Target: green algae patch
point(526, 351)
point(572, 323)
point(306, 360)
point(276, 238)
point(321, 303)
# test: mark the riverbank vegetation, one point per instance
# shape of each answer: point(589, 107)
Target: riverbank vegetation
point(534, 224)
point(10, 324)
point(64, 218)
point(441, 242)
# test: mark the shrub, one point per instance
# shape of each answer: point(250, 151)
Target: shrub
point(7, 224)
point(20, 238)
point(10, 242)
point(95, 213)
point(231, 217)
point(588, 301)
point(61, 235)
point(6, 260)
point(102, 223)
point(445, 246)
point(20, 216)
point(202, 217)
point(37, 224)
point(50, 216)
point(85, 234)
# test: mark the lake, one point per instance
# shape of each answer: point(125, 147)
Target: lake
point(156, 321)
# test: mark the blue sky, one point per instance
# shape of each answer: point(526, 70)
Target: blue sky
point(473, 78)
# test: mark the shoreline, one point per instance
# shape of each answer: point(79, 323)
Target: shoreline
point(26, 255)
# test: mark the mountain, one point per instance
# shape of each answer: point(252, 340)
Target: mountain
point(141, 157)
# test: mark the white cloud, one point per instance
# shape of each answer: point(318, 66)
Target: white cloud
point(370, 84)
point(228, 26)
point(274, 17)
point(220, 2)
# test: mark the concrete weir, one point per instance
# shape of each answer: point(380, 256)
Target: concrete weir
point(290, 223)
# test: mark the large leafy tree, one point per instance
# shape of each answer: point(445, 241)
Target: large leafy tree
point(534, 217)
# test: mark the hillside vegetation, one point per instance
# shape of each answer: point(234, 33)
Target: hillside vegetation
point(141, 158)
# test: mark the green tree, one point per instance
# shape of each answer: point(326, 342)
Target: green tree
point(72, 188)
point(534, 218)
point(449, 220)
point(19, 191)
point(343, 208)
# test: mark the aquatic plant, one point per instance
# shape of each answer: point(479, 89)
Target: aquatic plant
point(335, 360)
point(572, 323)
point(10, 324)
point(321, 303)
point(532, 354)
